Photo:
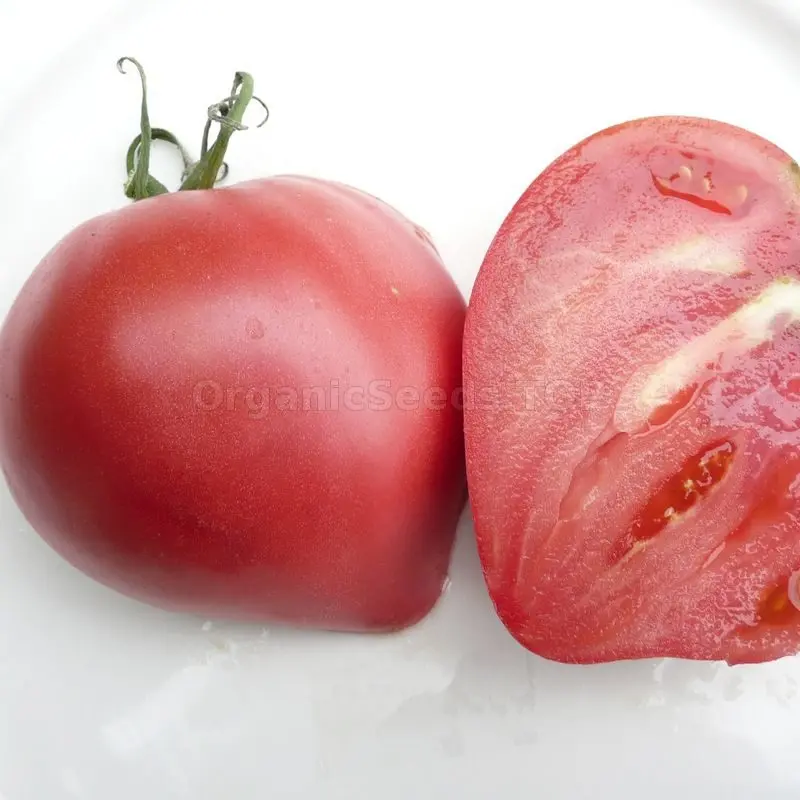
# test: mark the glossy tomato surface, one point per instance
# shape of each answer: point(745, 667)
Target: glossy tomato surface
point(632, 390)
point(243, 403)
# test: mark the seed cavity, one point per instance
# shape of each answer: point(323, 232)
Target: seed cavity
point(669, 410)
point(700, 178)
point(699, 475)
point(693, 191)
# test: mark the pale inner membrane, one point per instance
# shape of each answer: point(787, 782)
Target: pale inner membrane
point(749, 326)
point(699, 253)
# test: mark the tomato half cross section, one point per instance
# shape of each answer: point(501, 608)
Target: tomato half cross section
point(632, 390)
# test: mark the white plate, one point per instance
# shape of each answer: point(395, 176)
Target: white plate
point(447, 110)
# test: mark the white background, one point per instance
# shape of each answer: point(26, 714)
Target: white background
point(447, 110)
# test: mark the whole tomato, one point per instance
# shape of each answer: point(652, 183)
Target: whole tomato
point(242, 402)
point(632, 374)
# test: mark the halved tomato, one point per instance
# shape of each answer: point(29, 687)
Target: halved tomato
point(632, 386)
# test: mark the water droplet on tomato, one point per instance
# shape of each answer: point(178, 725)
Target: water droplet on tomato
point(254, 328)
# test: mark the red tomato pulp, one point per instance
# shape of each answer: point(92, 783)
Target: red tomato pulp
point(632, 380)
point(238, 402)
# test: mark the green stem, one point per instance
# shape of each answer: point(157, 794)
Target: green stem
point(161, 135)
point(140, 184)
point(211, 167)
point(229, 114)
point(154, 186)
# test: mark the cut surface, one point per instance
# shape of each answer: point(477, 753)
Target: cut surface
point(636, 484)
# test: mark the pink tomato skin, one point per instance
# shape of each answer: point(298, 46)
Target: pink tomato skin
point(243, 403)
point(632, 399)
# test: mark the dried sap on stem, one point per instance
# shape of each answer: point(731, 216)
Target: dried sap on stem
point(653, 516)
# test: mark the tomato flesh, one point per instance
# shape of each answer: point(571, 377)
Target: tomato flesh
point(635, 483)
point(208, 403)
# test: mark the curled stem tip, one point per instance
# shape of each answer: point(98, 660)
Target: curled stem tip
point(211, 167)
point(228, 114)
point(127, 59)
point(220, 112)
